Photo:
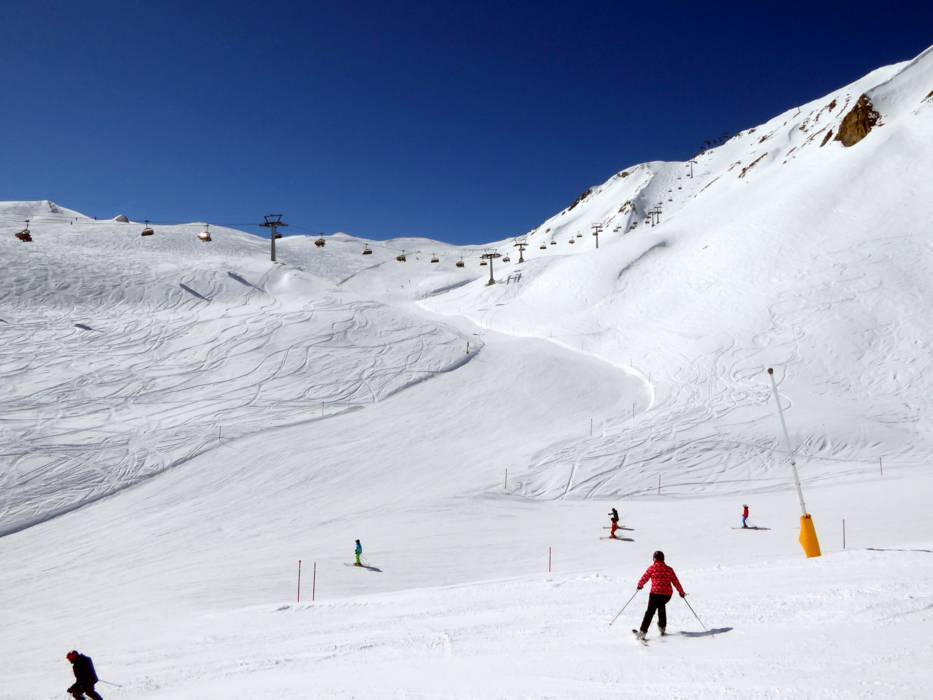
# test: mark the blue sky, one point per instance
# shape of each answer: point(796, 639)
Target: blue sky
point(463, 121)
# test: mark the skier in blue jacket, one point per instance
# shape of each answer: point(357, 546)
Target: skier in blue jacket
point(359, 553)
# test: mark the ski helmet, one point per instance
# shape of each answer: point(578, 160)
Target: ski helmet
point(72, 656)
point(659, 555)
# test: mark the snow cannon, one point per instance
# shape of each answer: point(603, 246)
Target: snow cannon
point(808, 539)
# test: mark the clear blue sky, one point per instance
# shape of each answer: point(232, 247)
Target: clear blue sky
point(463, 121)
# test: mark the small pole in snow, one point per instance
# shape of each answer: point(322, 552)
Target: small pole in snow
point(591, 427)
point(659, 484)
point(843, 533)
point(322, 409)
point(468, 347)
point(220, 432)
point(299, 580)
point(313, 581)
point(549, 559)
point(881, 465)
point(506, 483)
point(633, 411)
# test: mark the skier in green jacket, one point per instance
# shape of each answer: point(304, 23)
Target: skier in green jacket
point(359, 553)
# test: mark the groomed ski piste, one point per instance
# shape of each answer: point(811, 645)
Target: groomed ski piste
point(181, 422)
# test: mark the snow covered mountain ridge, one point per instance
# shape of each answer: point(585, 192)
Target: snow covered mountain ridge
point(785, 247)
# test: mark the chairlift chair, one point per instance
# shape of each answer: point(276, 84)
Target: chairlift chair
point(367, 250)
point(506, 259)
point(460, 262)
point(147, 231)
point(434, 259)
point(579, 235)
point(483, 263)
point(543, 246)
point(320, 242)
point(25, 236)
point(205, 235)
point(572, 241)
point(401, 257)
point(553, 242)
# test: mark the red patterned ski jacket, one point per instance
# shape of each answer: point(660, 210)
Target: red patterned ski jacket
point(662, 577)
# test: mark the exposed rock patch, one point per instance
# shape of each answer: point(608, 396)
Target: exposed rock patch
point(829, 135)
point(579, 199)
point(751, 165)
point(858, 122)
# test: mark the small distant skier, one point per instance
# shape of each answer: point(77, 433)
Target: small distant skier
point(614, 520)
point(745, 515)
point(85, 676)
point(359, 553)
point(662, 578)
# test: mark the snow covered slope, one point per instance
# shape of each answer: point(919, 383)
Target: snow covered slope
point(182, 421)
point(785, 249)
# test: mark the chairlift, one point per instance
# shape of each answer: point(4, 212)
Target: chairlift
point(320, 242)
point(434, 258)
point(579, 235)
point(367, 250)
point(147, 231)
point(553, 242)
point(401, 257)
point(506, 259)
point(572, 241)
point(25, 236)
point(205, 235)
point(543, 246)
point(460, 262)
point(483, 263)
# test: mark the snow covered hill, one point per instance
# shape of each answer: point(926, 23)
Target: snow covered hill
point(183, 420)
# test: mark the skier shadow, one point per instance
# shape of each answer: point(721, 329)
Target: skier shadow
point(368, 567)
point(751, 527)
point(84, 327)
point(193, 292)
point(234, 276)
point(707, 633)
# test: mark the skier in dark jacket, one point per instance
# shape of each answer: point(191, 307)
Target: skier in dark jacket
point(662, 578)
point(85, 676)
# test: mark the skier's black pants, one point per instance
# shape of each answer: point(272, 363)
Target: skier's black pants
point(79, 691)
point(656, 601)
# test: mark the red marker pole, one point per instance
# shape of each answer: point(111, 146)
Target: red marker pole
point(299, 580)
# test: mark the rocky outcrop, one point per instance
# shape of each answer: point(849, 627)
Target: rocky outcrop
point(858, 122)
point(579, 199)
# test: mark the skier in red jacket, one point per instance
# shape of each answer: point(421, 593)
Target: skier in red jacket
point(662, 578)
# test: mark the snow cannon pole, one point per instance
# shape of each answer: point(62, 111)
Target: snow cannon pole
point(808, 539)
point(624, 607)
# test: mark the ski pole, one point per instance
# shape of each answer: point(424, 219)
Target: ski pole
point(115, 685)
point(695, 615)
point(624, 607)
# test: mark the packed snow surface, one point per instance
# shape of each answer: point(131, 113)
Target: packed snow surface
point(182, 421)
